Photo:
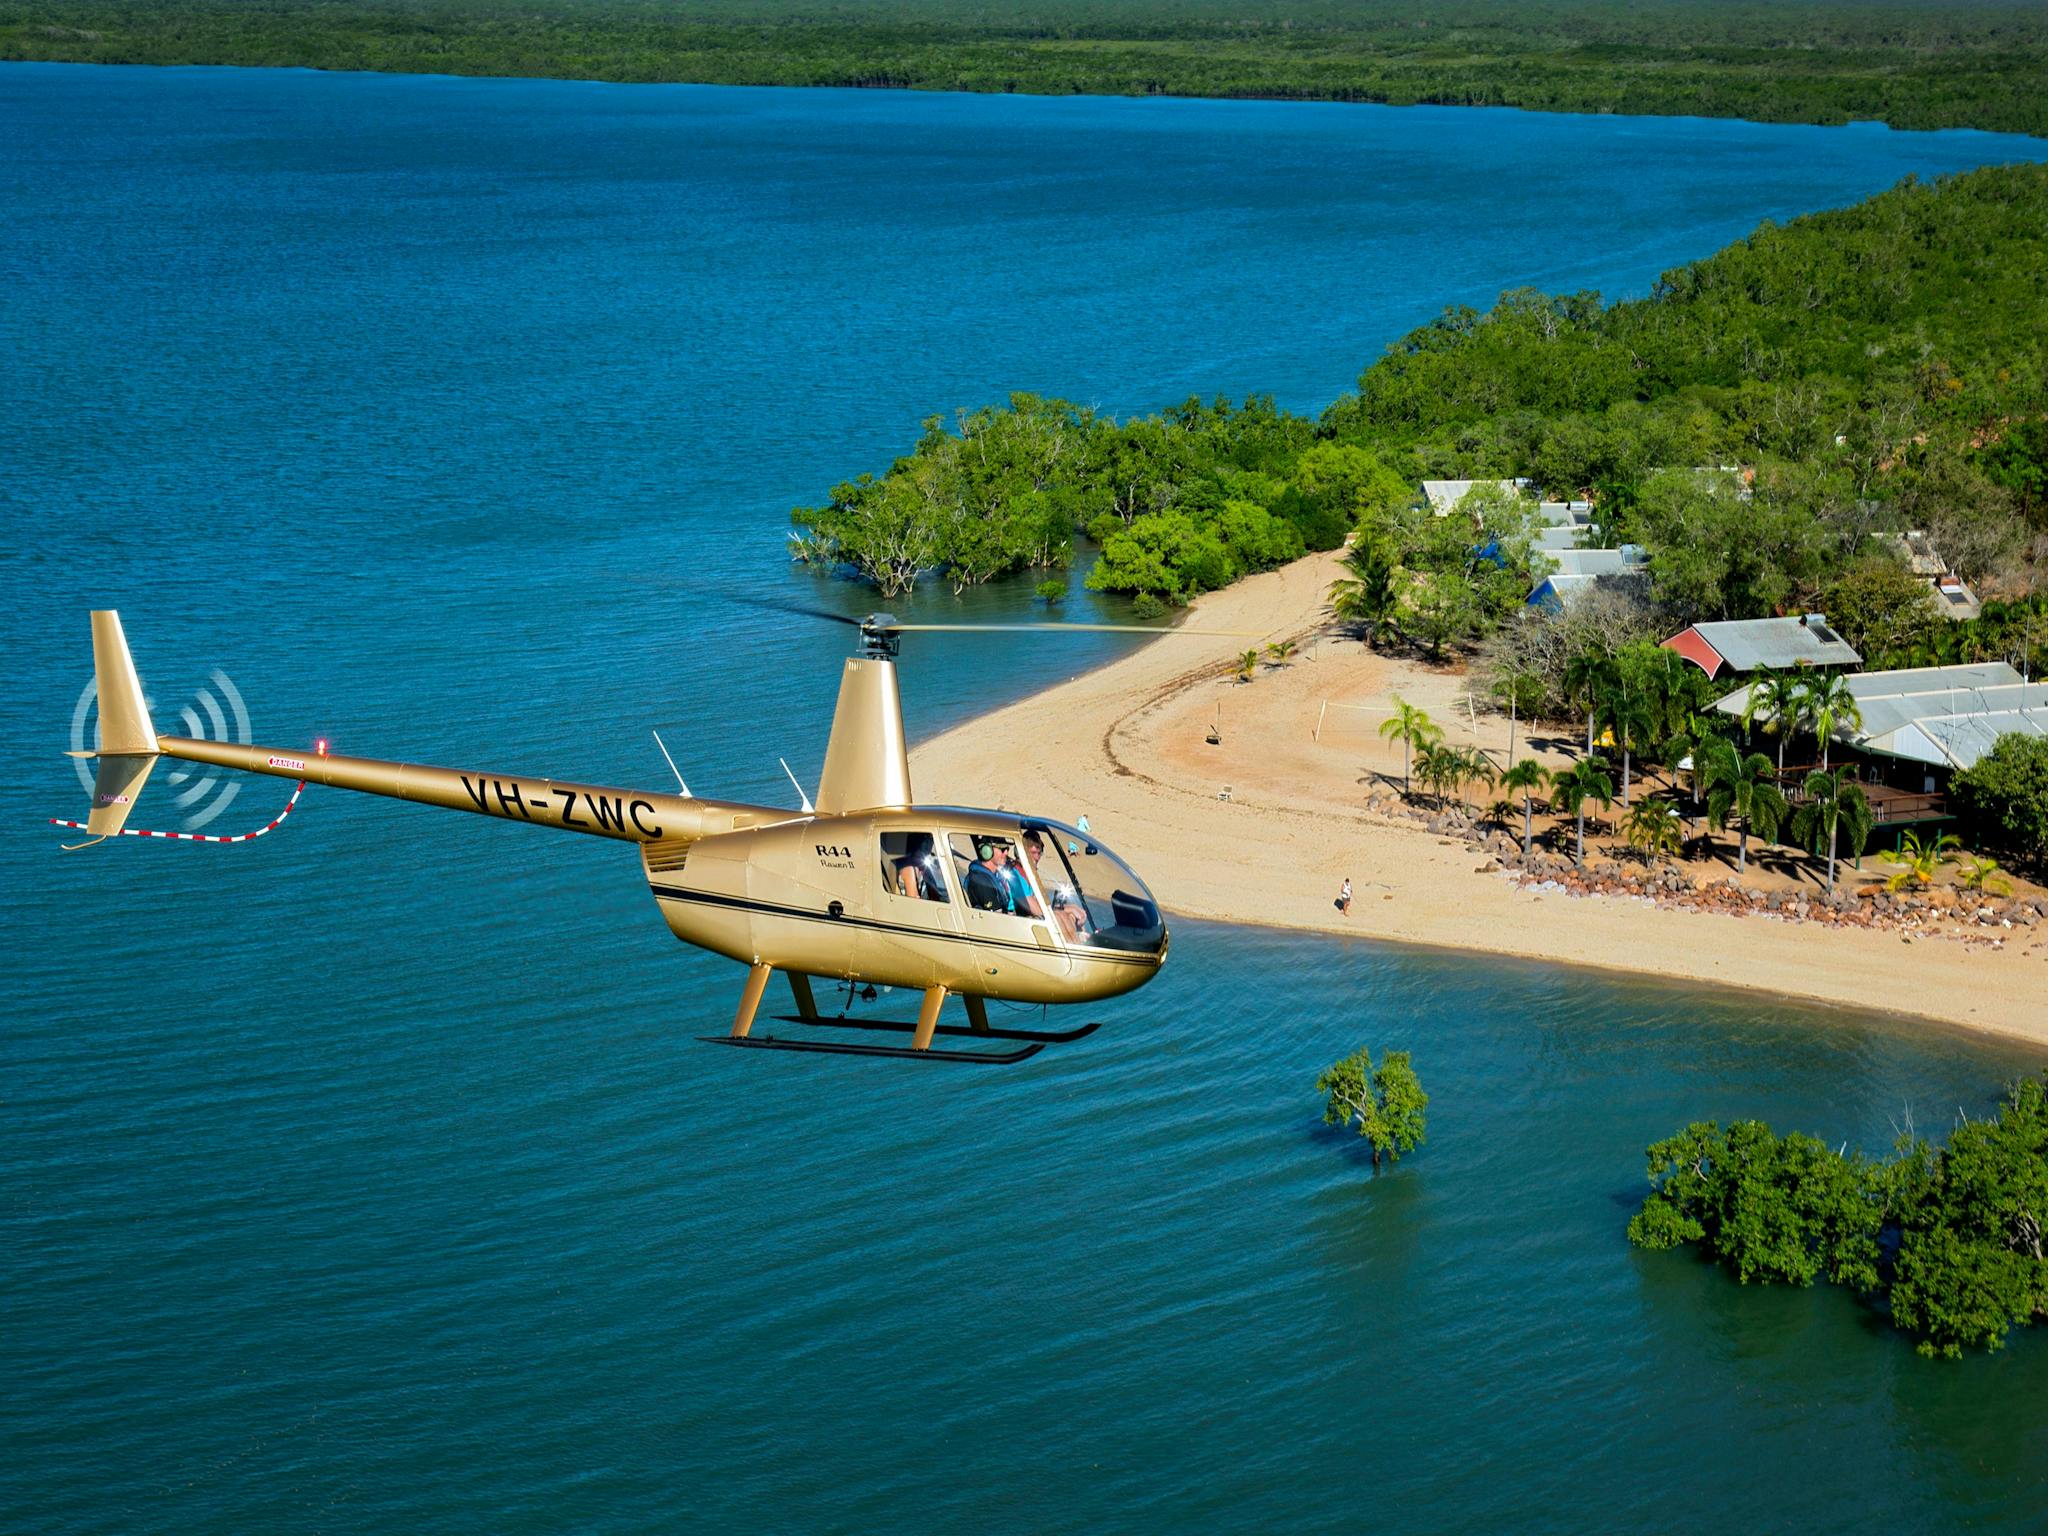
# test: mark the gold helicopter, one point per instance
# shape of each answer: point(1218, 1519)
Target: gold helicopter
point(864, 887)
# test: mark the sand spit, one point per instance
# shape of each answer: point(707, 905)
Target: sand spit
point(1299, 756)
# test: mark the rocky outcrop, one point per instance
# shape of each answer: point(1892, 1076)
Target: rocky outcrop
point(1939, 911)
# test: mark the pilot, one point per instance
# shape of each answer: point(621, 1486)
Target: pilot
point(995, 884)
point(1066, 911)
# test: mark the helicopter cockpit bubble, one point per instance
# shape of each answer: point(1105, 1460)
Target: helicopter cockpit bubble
point(1096, 898)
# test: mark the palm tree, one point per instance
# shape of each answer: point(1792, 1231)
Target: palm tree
point(1918, 861)
point(1366, 594)
point(1833, 806)
point(1589, 677)
point(1828, 704)
point(1524, 779)
point(1515, 687)
point(1246, 664)
point(1696, 735)
point(1778, 697)
point(1278, 652)
point(1677, 691)
point(1413, 728)
point(1652, 830)
point(1571, 788)
point(1982, 874)
point(1742, 783)
point(1479, 768)
point(1437, 766)
point(1633, 721)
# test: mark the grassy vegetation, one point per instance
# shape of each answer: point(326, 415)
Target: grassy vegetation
point(1976, 65)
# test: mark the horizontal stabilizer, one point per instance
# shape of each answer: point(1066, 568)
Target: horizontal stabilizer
point(121, 777)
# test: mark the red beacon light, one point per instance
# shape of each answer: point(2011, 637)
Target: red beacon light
point(320, 746)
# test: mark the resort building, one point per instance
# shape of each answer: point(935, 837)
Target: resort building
point(1920, 724)
point(1744, 645)
point(1948, 592)
point(1442, 495)
point(1579, 571)
point(1564, 525)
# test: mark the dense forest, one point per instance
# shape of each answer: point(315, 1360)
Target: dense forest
point(1862, 372)
point(1938, 65)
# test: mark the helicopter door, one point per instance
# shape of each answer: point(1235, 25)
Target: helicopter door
point(1005, 910)
point(915, 898)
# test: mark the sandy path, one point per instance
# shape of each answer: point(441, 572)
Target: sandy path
point(1126, 745)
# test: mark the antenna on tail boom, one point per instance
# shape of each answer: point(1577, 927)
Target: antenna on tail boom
point(809, 809)
point(672, 768)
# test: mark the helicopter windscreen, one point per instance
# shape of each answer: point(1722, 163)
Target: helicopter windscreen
point(1095, 897)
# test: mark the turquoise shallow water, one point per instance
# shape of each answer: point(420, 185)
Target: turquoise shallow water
point(366, 1177)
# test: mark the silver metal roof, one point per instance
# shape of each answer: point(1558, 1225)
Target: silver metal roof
point(1948, 716)
point(1592, 562)
point(1958, 741)
point(1747, 644)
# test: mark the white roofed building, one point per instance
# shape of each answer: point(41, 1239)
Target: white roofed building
point(1745, 645)
point(1443, 495)
point(1927, 722)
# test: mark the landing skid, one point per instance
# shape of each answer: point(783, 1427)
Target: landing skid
point(958, 1031)
point(892, 1052)
point(921, 1033)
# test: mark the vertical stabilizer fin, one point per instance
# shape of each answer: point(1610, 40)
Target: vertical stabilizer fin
point(867, 764)
point(127, 747)
point(124, 717)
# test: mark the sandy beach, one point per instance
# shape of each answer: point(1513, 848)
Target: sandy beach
point(1299, 753)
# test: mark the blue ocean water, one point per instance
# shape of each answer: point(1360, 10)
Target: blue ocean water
point(368, 1176)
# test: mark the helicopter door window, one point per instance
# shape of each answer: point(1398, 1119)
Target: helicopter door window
point(994, 881)
point(912, 868)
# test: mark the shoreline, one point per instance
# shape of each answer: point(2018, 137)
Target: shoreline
point(1127, 744)
point(913, 88)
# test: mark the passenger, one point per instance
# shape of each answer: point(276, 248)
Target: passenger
point(1066, 910)
point(917, 874)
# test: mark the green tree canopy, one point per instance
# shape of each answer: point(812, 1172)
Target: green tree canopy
point(2004, 794)
point(1384, 1104)
point(1950, 1239)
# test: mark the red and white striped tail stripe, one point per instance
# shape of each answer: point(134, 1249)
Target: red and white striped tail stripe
point(196, 837)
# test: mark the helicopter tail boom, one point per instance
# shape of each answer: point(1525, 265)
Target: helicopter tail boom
point(129, 748)
point(625, 815)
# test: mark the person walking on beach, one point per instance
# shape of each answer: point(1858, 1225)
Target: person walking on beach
point(1344, 897)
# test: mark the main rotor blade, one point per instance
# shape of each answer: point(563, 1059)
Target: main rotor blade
point(1119, 629)
point(776, 605)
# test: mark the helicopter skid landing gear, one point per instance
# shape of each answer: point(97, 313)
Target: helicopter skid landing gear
point(897, 1052)
point(921, 1032)
point(1039, 1036)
